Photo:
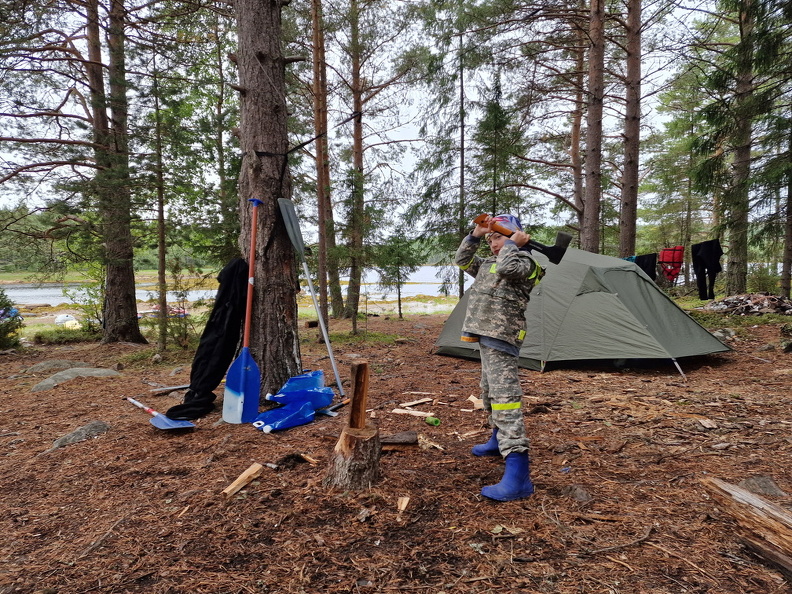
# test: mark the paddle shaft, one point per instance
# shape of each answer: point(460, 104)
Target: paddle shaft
point(150, 411)
point(295, 235)
point(322, 326)
point(251, 272)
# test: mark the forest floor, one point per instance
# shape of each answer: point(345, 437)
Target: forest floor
point(617, 458)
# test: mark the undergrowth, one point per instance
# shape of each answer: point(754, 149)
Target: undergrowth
point(710, 319)
point(56, 336)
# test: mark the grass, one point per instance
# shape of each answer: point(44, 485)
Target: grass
point(710, 319)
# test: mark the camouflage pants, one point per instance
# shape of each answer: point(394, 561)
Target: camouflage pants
point(502, 396)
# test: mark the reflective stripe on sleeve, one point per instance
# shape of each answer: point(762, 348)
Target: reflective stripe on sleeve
point(507, 406)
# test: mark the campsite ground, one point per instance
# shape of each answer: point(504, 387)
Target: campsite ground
point(618, 457)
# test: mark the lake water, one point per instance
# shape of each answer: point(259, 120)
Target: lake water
point(423, 281)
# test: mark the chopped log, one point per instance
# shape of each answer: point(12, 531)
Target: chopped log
point(403, 438)
point(253, 471)
point(354, 463)
point(766, 528)
point(360, 380)
point(312, 324)
point(406, 440)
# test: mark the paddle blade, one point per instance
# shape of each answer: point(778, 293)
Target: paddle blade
point(243, 384)
point(162, 422)
point(292, 225)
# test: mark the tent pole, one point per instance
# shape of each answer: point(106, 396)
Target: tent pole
point(682, 373)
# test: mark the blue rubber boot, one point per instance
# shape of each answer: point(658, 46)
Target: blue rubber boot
point(516, 482)
point(488, 449)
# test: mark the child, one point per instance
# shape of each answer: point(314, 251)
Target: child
point(495, 319)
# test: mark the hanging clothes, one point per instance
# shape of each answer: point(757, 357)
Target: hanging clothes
point(706, 266)
point(671, 260)
point(218, 343)
point(648, 263)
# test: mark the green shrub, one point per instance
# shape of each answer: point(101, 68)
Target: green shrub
point(67, 336)
point(762, 279)
point(10, 323)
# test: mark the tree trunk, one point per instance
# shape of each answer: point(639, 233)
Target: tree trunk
point(357, 209)
point(786, 264)
point(738, 200)
point(264, 176)
point(320, 131)
point(577, 122)
point(590, 233)
point(632, 132)
point(327, 259)
point(463, 223)
point(111, 184)
point(162, 322)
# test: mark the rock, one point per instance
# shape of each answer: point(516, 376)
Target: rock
point(92, 429)
point(70, 374)
point(762, 485)
point(55, 365)
point(724, 334)
point(767, 347)
point(157, 358)
point(786, 330)
point(786, 346)
point(577, 493)
point(176, 371)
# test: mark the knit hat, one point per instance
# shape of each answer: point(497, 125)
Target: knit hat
point(509, 221)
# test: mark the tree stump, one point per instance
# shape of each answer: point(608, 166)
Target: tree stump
point(354, 464)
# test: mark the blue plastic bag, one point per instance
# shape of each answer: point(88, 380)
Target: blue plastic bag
point(318, 397)
point(284, 417)
point(305, 381)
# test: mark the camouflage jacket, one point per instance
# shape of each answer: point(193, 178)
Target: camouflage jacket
point(500, 293)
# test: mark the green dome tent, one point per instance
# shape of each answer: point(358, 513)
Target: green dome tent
point(594, 307)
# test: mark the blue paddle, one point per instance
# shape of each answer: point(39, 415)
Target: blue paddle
point(243, 379)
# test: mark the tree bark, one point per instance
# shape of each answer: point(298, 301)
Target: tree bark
point(264, 176)
point(738, 193)
point(327, 259)
point(111, 185)
point(464, 224)
point(590, 233)
point(357, 207)
point(786, 264)
point(577, 122)
point(632, 132)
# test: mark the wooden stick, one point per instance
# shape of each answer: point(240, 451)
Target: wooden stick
point(360, 380)
point(253, 471)
point(415, 413)
point(166, 389)
point(626, 544)
point(416, 402)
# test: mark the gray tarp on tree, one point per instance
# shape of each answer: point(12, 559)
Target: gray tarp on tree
point(591, 307)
